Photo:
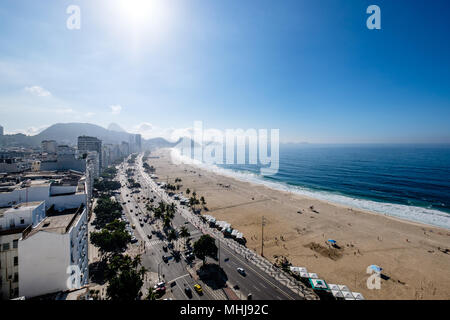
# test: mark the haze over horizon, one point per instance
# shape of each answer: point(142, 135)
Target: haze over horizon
point(309, 68)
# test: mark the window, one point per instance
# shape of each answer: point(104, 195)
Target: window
point(16, 261)
point(22, 221)
point(15, 244)
point(16, 277)
point(6, 246)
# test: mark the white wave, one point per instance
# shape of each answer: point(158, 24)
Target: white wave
point(412, 213)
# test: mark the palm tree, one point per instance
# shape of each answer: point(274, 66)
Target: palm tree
point(184, 233)
point(188, 191)
point(151, 294)
point(202, 199)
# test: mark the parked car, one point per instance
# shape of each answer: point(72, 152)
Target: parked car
point(134, 240)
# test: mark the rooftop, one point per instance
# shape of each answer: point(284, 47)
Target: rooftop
point(13, 209)
point(58, 223)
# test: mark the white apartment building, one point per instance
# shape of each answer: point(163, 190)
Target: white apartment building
point(63, 190)
point(13, 221)
point(53, 256)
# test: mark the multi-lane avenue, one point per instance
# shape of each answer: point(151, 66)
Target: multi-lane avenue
point(176, 274)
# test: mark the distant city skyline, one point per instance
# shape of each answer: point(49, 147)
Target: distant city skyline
point(309, 68)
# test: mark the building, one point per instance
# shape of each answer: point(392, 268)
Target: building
point(2, 132)
point(13, 221)
point(125, 148)
point(48, 146)
point(14, 165)
point(86, 144)
point(53, 256)
point(65, 159)
point(62, 190)
point(138, 142)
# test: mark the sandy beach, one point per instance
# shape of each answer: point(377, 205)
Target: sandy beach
point(415, 258)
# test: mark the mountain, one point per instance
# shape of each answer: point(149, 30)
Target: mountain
point(68, 133)
point(115, 127)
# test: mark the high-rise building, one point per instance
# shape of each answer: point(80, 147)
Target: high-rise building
point(86, 144)
point(48, 146)
point(1, 131)
point(138, 142)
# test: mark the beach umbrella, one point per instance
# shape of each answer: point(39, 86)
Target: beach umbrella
point(313, 276)
point(376, 268)
point(331, 241)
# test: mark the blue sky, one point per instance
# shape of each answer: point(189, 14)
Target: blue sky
point(309, 68)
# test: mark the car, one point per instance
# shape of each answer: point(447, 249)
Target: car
point(165, 249)
point(165, 258)
point(198, 288)
point(142, 224)
point(188, 291)
point(160, 287)
point(249, 297)
point(140, 219)
point(131, 210)
point(134, 240)
point(128, 200)
point(241, 271)
point(136, 207)
point(133, 226)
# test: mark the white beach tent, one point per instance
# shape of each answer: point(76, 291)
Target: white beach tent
point(313, 275)
point(343, 288)
point(348, 295)
point(358, 296)
point(337, 293)
point(334, 287)
point(304, 274)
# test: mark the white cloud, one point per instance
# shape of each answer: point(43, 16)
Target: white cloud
point(116, 109)
point(90, 114)
point(38, 91)
point(31, 131)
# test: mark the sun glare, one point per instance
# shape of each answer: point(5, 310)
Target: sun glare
point(144, 14)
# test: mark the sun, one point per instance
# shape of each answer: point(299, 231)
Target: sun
point(144, 13)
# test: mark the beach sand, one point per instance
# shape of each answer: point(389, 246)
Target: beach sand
point(413, 256)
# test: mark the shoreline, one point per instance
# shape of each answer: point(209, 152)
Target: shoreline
point(284, 187)
point(413, 255)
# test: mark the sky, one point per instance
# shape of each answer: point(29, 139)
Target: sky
point(309, 68)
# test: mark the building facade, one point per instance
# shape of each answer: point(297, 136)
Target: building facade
point(13, 221)
point(53, 256)
point(86, 144)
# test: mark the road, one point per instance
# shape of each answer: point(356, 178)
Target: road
point(261, 285)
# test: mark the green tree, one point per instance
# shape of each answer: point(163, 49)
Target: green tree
point(106, 211)
point(112, 239)
point(184, 233)
point(202, 200)
point(125, 278)
point(188, 191)
point(205, 247)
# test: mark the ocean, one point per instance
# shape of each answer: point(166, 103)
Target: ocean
point(410, 182)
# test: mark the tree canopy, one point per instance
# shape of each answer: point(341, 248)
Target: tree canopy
point(205, 247)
